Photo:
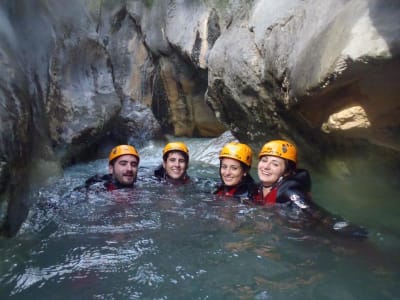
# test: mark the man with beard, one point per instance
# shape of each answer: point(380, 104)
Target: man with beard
point(123, 165)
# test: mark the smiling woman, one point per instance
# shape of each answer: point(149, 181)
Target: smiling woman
point(282, 182)
point(235, 163)
point(278, 160)
point(175, 163)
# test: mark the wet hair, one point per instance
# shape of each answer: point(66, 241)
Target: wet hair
point(245, 167)
point(290, 166)
point(242, 165)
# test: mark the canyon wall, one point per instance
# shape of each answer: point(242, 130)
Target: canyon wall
point(79, 76)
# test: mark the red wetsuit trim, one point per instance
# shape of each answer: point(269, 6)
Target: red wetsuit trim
point(270, 198)
point(229, 193)
point(111, 187)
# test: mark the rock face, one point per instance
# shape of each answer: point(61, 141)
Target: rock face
point(72, 77)
point(301, 64)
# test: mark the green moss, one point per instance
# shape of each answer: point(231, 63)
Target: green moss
point(148, 3)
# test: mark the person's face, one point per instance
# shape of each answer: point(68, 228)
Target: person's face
point(270, 169)
point(125, 169)
point(175, 165)
point(231, 171)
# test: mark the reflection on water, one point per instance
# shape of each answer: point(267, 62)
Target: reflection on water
point(158, 242)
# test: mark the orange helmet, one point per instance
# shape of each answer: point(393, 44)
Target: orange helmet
point(122, 150)
point(176, 146)
point(280, 148)
point(238, 151)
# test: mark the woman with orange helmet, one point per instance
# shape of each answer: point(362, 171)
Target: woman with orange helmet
point(123, 164)
point(280, 179)
point(282, 182)
point(235, 163)
point(175, 163)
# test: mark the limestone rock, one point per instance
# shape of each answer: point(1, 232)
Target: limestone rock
point(347, 119)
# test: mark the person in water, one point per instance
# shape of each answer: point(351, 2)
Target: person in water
point(235, 163)
point(282, 182)
point(123, 164)
point(173, 169)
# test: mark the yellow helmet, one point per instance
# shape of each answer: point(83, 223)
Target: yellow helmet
point(122, 150)
point(279, 148)
point(176, 146)
point(238, 151)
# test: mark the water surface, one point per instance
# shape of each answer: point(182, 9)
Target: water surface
point(162, 242)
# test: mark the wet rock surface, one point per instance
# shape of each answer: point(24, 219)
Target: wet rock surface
point(75, 77)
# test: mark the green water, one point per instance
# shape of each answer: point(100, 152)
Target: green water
point(158, 242)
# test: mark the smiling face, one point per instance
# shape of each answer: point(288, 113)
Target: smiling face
point(231, 171)
point(270, 169)
point(175, 165)
point(124, 169)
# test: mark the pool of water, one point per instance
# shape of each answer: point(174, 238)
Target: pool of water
point(162, 242)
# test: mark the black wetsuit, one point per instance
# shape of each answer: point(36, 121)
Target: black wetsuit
point(295, 191)
point(242, 191)
point(107, 181)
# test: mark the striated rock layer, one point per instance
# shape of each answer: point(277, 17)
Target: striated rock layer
point(77, 77)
